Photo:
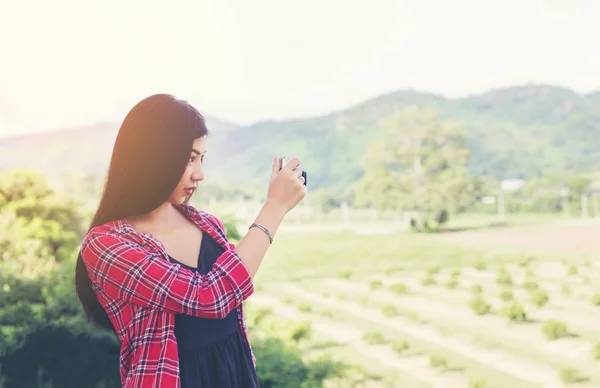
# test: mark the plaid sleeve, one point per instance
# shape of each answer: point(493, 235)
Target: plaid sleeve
point(123, 270)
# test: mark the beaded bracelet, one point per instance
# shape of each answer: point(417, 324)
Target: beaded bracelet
point(259, 226)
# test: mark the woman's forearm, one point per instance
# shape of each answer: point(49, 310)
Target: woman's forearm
point(253, 247)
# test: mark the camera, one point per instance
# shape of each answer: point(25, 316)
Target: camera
point(285, 160)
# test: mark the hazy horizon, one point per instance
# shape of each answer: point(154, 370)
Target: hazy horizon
point(75, 63)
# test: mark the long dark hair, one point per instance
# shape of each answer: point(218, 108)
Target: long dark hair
point(149, 157)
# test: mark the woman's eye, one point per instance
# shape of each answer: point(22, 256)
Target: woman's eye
point(192, 159)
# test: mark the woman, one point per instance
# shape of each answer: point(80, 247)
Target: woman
point(161, 274)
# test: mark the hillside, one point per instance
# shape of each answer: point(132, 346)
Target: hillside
point(519, 131)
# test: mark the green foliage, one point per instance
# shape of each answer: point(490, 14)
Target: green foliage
point(389, 310)
point(375, 285)
point(374, 338)
point(506, 295)
point(419, 165)
point(477, 289)
point(282, 365)
point(504, 278)
point(539, 298)
point(565, 289)
point(231, 229)
point(530, 284)
point(514, 311)
point(345, 275)
point(451, 283)
point(399, 288)
point(596, 352)
point(481, 265)
point(571, 376)
point(596, 299)
point(438, 361)
point(479, 305)
point(428, 281)
point(477, 383)
point(554, 329)
point(573, 270)
point(400, 346)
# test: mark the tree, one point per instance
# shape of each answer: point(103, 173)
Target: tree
point(419, 165)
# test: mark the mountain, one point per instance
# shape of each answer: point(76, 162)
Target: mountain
point(526, 130)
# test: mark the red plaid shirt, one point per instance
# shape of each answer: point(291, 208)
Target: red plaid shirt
point(141, 291)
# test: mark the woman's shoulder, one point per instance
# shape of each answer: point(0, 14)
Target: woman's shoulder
point(199, 216)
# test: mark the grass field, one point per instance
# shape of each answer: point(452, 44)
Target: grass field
point(466, 309)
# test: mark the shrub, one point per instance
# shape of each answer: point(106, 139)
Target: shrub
point(530, 284)
point(524, 262)
point(481, 265)
point(438, 361)
point(477, 383)
point(477, 289)
point(570, 375)
point(389, 310)
point(374, 338)
point(301, 331)
point(451, 283)
point(375, 284)
point(506, 295)
point(398, 288)
point(586, 279)
point(479, 305)
point(261, 313)
point(400, 346)
point(539, 298)
point(345, 275)
point(428, 281)
point(514, 311)
point(596, 352)
point(596, 299)
point(433, 270)
point(554, 329)
point(565, 289)
point(504, 278)
point(573, 270)
point(304, 307)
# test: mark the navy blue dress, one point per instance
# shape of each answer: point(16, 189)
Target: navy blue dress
point(212, 352)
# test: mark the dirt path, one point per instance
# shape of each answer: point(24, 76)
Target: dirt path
point(415, 366)
point(523, 369)
point(578, 238)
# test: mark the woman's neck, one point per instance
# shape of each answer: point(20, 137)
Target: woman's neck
point(163, 218)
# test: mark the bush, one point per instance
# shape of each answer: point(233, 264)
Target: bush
point(596, 352)
point(451, 283)
point(506, 295)
point(477, 383)
point(514, 311)
point(554, 329)
point(53, 354)
point(479, 306)
point(504, 278)
point(398, 288)
point(481, 265)
point(596, 299)
point(438, 361)
point(301, 331)
point(400, 346)
point(565, 289)
point(304, 307)
point(374, 338)
point(389, 310)
point(477, 289)
point(570, 375)
point(530, 284)
point(573, 270)
point(345, 275)
point(428, 281)
point(539, 298)
point(281, 365)
point(375, 284)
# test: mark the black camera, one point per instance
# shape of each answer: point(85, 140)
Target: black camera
point(285, 160)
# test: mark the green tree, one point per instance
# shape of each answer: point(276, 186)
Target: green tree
point(418, 164)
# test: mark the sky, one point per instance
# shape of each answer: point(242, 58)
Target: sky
point(72, 62)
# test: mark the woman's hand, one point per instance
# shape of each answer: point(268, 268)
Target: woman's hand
point(286, 186)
